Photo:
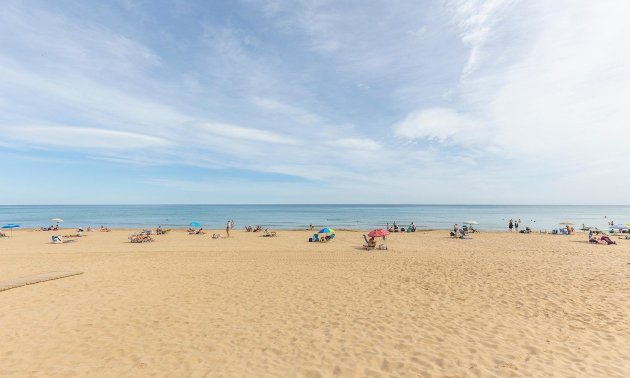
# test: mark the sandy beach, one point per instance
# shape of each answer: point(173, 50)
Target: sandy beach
point(500, 304)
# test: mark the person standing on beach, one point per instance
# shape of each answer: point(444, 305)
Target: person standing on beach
point(516, 226)
point(228, 227)
point(511, 225)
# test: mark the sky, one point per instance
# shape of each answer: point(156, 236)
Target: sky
point(251, 101)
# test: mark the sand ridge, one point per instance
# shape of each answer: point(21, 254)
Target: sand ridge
point(498, 305)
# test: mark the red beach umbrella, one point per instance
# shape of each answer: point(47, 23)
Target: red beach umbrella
point(378, 233)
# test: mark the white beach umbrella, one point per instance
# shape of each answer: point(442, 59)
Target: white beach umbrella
point(471, 222)
point(57, 220)
point(565, 223)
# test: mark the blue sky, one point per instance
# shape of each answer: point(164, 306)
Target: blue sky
point(314, 102)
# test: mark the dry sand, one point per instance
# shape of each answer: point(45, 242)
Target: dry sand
point(497, 305)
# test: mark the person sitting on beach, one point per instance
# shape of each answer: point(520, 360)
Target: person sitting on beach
point(104, 229)
point(371, 243)
point(269, 233)
point(592, 238)
point(217, 236)
point(2, 235)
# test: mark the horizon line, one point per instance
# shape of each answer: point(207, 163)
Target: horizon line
point(310, 204)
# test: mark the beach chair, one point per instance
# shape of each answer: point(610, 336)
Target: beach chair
point(58, 239)
point(140, 238)
point(367, 245)
point(269, 234)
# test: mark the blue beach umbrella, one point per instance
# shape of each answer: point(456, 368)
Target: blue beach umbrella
point(620, 227)
point(11, 226)
point(195, 224)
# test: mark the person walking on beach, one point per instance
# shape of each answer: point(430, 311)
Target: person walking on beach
point(516, 226)
point(511, 225)
point(228, 227)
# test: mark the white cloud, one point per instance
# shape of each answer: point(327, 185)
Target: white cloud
point(445, 126)
point(561, 99)
point(245, 133)
point(80, 138)
point(363, 144)
point(439, 124)
point(476, 21)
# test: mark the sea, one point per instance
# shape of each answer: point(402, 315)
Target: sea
point(488, 217)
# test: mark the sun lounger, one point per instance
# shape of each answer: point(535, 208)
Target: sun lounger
point(269, 234)
point(140, 238)
point(58, 239)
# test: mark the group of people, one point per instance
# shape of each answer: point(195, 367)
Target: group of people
point(228, 227)
point(258, 228)
point(513, 225)
point(460, 232)
point(161, 231)
point(394, 228)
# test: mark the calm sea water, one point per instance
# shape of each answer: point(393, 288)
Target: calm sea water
point(490, 217)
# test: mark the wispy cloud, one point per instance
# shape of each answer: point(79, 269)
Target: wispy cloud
point(236, 132)
point(296, 113)
point(331, 93)
point(476, 21)
point(80, 138)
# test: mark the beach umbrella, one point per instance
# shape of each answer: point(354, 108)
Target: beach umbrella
point(628, 224)
point(195, 224)
point(326, 230)
point(567, 223)
point(378, 233)
point(471, 222)
point(57, 220)
point(11, 226)
point(620, 227)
